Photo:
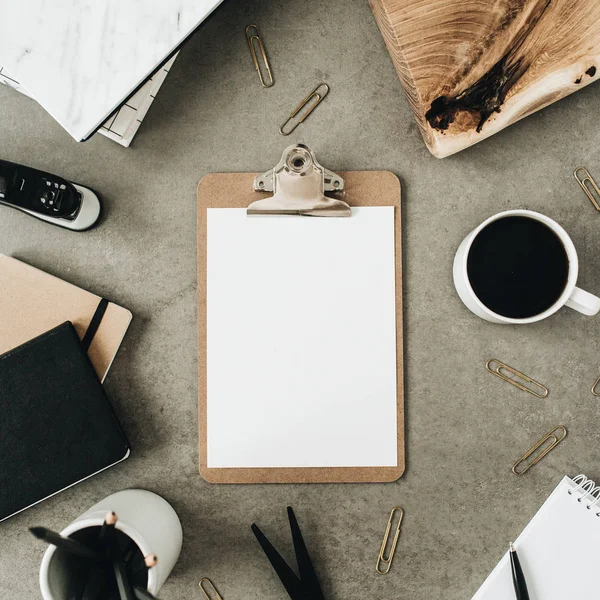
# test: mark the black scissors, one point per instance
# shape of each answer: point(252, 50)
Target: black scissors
point(305, 587)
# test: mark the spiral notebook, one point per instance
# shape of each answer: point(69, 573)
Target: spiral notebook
point(558, 549)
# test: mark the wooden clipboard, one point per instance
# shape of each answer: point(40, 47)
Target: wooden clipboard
point(235, 190)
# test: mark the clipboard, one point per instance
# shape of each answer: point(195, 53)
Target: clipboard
point(235, 190)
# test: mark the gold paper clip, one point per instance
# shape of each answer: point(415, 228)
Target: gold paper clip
point(206, 585)
point(554, 441)
point(497, 371)
point(317, 95)
point(381, 560)
point(254, 39)
point(589, 190)
point(595, 389)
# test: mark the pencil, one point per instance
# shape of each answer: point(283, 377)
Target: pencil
point(78, 582)
point(141, 594)
point(108, 527)
point(122, 578)
point(150, 561)
point(106, 536)
point(66, 544)
point(517, 574)
point(123, 583)
point(100, 584)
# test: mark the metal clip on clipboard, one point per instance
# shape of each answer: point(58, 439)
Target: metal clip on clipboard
point(299, 183)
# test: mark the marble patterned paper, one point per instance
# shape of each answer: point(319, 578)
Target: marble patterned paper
point(123, 124)
point(81, 59)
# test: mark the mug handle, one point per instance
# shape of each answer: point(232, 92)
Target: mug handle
point(584, 302)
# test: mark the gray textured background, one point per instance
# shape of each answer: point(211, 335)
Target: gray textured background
point(465, 428)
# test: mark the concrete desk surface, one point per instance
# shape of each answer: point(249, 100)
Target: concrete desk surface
point(465, 428)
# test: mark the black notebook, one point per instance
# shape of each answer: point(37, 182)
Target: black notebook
point(57, 427)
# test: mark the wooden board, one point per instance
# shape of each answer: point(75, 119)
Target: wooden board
point(472, 67)
point(234, 190)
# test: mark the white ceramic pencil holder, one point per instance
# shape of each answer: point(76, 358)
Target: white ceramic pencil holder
point(146, 518)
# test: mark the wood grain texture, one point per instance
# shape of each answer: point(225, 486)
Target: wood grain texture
point(472, 67)
point(235, 190)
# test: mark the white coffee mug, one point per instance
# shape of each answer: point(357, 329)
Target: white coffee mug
point(146, 518)
point(572, 296)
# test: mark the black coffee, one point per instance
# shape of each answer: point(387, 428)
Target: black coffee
point(517, 267)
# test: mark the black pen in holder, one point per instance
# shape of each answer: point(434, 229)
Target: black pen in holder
point(144, 527)
point(72, 576)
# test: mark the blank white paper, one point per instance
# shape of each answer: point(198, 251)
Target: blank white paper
point(301, 340)
point(558, 551)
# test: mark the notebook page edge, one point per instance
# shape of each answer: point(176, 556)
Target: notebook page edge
point(565, 482)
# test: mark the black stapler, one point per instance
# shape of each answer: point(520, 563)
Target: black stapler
point(48, 197)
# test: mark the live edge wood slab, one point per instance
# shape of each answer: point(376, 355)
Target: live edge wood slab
point(472, 67)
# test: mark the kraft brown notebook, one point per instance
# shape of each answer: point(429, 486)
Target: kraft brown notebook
point(300, 337)
point(32, 302)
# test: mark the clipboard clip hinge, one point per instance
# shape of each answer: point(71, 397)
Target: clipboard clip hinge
point(299, 183)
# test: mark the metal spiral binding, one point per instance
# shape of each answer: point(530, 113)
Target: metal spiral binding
point(588, 490)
